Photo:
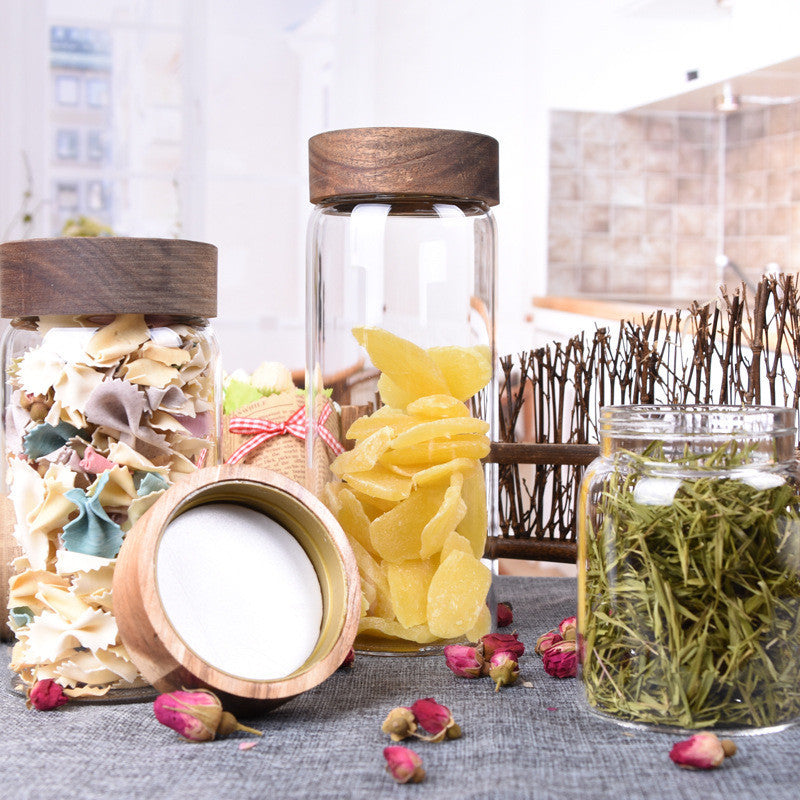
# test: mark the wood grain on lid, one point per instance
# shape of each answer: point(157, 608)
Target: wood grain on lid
point(403, 161)
point(101, 275)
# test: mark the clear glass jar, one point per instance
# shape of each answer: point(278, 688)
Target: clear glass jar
point(103, 411)
point(401, 288)
point(689, 559)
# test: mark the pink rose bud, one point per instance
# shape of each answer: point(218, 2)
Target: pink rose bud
point(196, 715)
point(400, 723)
point(504, 642)
point(546, 641)
point(561, 660)
point(45, 695)
point(503, 669)
point(568, 627)
point(430, 715)
point(463, 660)
point(701, 751)
point(505, 615)
point(403, 764)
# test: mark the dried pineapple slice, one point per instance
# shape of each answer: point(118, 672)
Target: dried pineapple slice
point(455, 541)
point(353, 519)
point(466, 369)
point(442, 472)
point(457, 594)
point(380, 483)
point(437, 406)
point(393, 629)
point(448, 515)
point(482, 626)
point(393, 395)
point(396, 535)
point(425, 454)
point(473, 526)
point(408, 588)
point(439, 429)
point(405, 363)
point(365, 454)
point(384, 416)
point(372, 574)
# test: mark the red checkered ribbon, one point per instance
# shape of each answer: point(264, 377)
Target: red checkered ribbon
point(262, 430)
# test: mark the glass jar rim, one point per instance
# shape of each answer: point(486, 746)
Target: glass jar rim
point(692, 422)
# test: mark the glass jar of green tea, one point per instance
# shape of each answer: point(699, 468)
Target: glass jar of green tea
point(689, 568)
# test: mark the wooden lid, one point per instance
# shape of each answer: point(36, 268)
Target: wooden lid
point(159, 648)
point(403, 161)
point(102, 275)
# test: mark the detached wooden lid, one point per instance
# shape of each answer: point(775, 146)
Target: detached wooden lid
point(102, 275)
point(403, 161)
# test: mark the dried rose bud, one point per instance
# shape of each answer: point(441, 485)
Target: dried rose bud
point(45, 695)
point(568, 628)
point(561, 660)
point(505, 615)
point(505, 642)
point(503, 669)
point(403, 764)
point(434, 718)
point(400, 723)
point(196, 715)
point(701, 751)
point(463, 660)
point(729, 747)
point(546, 641)
point(349, 659)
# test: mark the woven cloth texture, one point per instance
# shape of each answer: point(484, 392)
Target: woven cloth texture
point(521, 742)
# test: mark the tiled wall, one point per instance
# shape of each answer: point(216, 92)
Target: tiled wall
point(635, 209)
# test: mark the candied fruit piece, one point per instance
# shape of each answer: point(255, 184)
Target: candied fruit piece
point(365, 454)
point(473, 526)
point(442, 472)
point(408, 588)
point(439, 429)
point(449, 514)
point(455, 541)
point(373, 506)
point(457, 594)
point(466, 369)
point(482, 626)
point(330, 496)
point(396, 535)
point(353, 519)
point(385, 416)
point(392, 394)
point(437, 406)
point(392, 628)
point(372, 574)
point(424, 454)
point(380, 483)
point(405, 363)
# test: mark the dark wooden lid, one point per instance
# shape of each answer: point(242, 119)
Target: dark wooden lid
point(403, 161)
point(101, 275)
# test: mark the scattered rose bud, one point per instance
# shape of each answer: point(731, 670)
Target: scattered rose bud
point(463, 660)
point(503, 669)
point(546, 641)
point(436, 719)
point(403, 764)
point(568, 628)
point(196, 715)
point(348, 659)
point(729, 747)
point(561, 660)
point(505, 642)
point(45, 695)
point(702, 751)
point(399, 723)
point(505, 615)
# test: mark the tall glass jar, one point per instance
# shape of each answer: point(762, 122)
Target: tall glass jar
point(110, 395)
point(401, 289)
point(689, 556)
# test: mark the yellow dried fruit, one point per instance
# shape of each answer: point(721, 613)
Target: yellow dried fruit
point(442, 472)
point(376, 626)
point(482, 626)
point(424, 454)
point(408, 588)
point(456, 595)
point(466, 369)
point(437, 406)
point(383, 417)
point(353, 519)
point(473, 526)
point(397, 534)
point(372, 574)
point(439, 429)
point(365, 454)
point(380, 483)
point(444, 521)
point(392, 394)
point(455, 541)
point(405, 363)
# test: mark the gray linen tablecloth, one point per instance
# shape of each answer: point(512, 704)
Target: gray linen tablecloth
point(538, 742)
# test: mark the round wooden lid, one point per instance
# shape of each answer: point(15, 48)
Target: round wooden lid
point(102, 275)
point(403, 161)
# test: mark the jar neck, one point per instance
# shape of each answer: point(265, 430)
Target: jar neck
point(705, 436)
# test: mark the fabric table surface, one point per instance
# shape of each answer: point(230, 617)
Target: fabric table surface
point(521, 742)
